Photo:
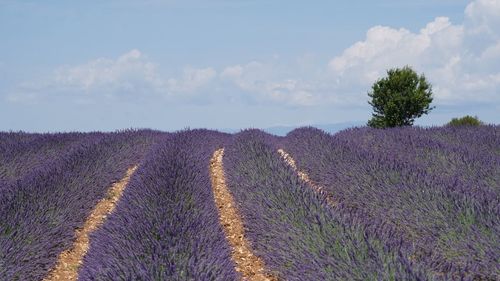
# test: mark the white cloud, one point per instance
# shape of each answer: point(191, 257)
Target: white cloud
point(460, 60)
point(131, 73)
point(232, 72)
point(263, 83)
point(191, 80)
point(460, 66)
point(386, 47)
point(483, 16)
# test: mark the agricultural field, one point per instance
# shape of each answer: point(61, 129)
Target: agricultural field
point(362, 204)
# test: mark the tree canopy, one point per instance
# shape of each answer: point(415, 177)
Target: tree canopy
point(465, 121)
point(399, 98)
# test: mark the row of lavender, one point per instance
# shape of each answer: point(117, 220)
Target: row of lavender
point(166, 225)
point(436, 190)
point(297, 234)
point(413, 204)
point(21, 153)
point(49, 185)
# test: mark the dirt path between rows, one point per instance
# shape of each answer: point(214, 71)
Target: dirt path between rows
point(249, 265)
point(70, 260)
point(303, 176)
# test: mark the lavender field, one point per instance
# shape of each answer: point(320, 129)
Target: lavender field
point(362, 204)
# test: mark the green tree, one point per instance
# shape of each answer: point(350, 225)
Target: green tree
point(465, 121)
point(399, 98)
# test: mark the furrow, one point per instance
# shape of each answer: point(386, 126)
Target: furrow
point(305, 177)
point(70, 260)
point(247, 263)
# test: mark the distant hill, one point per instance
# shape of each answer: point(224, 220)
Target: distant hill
point(329, 128)
point(283, 130)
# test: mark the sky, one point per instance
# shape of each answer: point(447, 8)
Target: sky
point(169, 64)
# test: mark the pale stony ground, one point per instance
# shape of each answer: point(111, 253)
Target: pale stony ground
point(70, 260)
point(249, 265)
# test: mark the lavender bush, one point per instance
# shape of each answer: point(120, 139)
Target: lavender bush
point(292, 228)
point(166, 225)
point(21, 153)
point(436, 188)
point(40, 211)
point(411, 203)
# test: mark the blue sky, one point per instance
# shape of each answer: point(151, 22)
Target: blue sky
point(167, 64)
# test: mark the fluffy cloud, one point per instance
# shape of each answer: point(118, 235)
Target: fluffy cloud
point(460, 60)
point(127, 73)
point(264, 83)
point(234, 72)
point(131, 73)
point(483, 17)
point(191, 80)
